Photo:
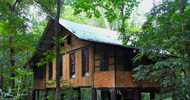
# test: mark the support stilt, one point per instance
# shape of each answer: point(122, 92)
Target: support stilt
point(38, 94)
point(114, 94)
point(33, 94)
point(45, 93)
point(94, 94)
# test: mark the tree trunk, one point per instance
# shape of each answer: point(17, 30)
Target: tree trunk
point(1, 86)
point(105, 20)
point(12, 82)
point(188, 71)
point(106, 23)
point(57, 51)
point(12, 61)
point(123, 21)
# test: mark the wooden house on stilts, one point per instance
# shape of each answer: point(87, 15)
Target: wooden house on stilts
point(93, 58)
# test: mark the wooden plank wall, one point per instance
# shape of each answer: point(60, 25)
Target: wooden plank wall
point(39, 83)
point(104, 78)
point(124, 68)
point(125, 79)
point(124, 71)
point(76, 44)
point(104, 48)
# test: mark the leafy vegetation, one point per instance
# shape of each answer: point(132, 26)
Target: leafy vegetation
point(165, 40)
point(16, 48)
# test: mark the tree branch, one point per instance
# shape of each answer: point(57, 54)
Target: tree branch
point(46, 8)
point(14, 5)
point(123, 22)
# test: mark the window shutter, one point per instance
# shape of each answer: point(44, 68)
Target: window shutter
point(101, 62)
point(101, 57)
point(50, 70)
point(83, 63)
point(105, 61)
point(70, 60)
point(86, 59)
point(72, 63)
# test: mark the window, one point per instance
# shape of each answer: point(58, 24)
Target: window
point(72, 64)
point(103, 61)
point(50, 70)
point(39, 72)
point(69, 39)
point(85, 61)
point(60, 66)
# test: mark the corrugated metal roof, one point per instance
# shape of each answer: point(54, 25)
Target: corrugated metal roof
point(83, 32)
point(90, 33)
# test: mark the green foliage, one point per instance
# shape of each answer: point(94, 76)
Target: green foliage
point(67, 13)
point(67, 89)
point(145, 96)
point(111, 9)
point(16, 91)
point(85, 93)
point(131, 29)
point(164, 39)
point(50, 55)
point(16, 35)
point(92, 8)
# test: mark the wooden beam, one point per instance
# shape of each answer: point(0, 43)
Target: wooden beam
point(33, 94)
point(45, 93)
point(93, 94)
point(114, 94)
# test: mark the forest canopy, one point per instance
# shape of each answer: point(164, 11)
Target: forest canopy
point(164, 38)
